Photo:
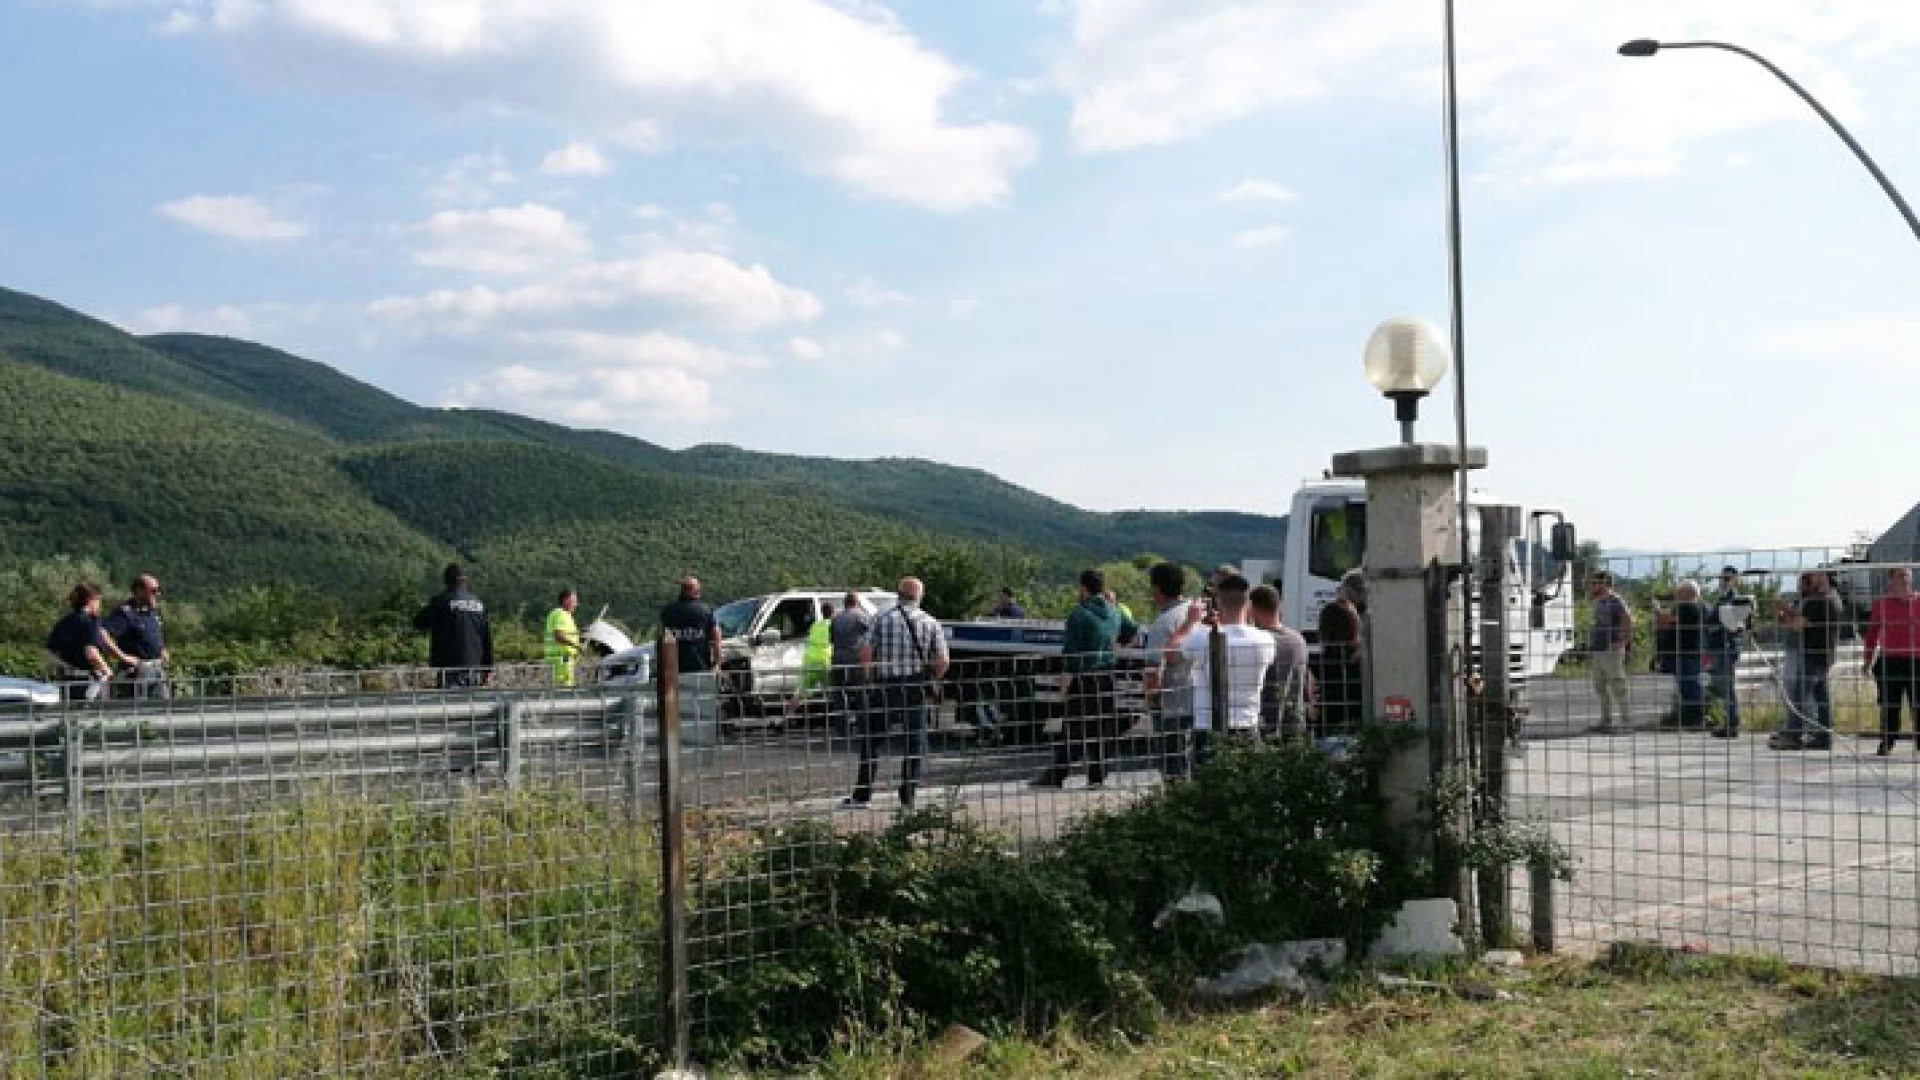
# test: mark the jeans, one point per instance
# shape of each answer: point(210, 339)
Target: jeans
point(1898, 677)
point(1092, 713)
point(1693, 697)
point(1610, 684)
point(1723, 677)
point(893, 699)
point(1811, 701)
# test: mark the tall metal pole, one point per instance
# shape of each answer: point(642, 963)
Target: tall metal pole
point(1459, 328)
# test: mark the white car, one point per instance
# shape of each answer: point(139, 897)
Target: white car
point(763, 647)
point(27, 692)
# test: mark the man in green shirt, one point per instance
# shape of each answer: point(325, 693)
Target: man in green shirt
point(560, 641)
point(1086, 655)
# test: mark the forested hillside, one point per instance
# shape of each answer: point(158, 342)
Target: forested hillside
point(226, 465)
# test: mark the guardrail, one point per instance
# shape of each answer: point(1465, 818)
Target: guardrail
point(74, 751)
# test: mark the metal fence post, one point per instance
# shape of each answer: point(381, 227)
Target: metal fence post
point(512, 715)
point(1541, 915)
point(72, 743)
point(673, 857)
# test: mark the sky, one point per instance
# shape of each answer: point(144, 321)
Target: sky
point(1123, 252)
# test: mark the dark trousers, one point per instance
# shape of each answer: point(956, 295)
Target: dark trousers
point(1693, 695)
point(847, 699)
point(1811, 711)
point(1724, 683)
point(890, 701)
point(1173, 744)
point(1898, 679)
point(1341, 710)
point(1092, 713)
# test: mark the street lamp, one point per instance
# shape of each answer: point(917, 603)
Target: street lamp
point(1406, 358)
point(1648, 47)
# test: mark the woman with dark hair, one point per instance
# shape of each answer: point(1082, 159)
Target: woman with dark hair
point(79, 646)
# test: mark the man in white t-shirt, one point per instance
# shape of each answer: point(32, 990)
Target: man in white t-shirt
point(1250, 652)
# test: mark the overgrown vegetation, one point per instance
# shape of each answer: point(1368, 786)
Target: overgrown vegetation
point(502, 934)
point(858, 935)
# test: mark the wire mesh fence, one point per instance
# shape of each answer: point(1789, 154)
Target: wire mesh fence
point(1712, 754)
point(504, 877)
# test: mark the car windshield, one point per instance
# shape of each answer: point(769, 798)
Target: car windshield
point(735, 618)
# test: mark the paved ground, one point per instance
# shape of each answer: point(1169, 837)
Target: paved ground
point(1687, 839)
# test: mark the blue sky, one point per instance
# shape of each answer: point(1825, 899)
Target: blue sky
point(1125, 252)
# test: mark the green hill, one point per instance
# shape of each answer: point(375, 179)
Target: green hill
point(227, 463)
point(210, 498)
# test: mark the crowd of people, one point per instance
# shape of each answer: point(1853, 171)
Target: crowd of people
point(1699, 641)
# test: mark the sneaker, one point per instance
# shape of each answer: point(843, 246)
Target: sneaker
point(1886, 747)
point(1817, 744)
point(1786, 742)
point(1725, 733)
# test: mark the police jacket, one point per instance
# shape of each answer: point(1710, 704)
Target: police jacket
point(459, 634)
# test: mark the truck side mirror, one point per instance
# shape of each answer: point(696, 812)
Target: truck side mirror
point(1566, 542)
point(768, 637)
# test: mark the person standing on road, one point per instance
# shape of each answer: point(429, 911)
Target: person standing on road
point(1282, 709)
point(1893, 655)
point(846, 679)
point(560, 639)
point(1169, 683)
point(816, 661)
point(1689, 643)
point(1607, 649)
point(1250, 653)
point(1341, 679)
point(690, 625)
point(80, 647)
point(1818, 619)
point(1726, 638)
point(459, 634)
point(905, 654)
point(1086, 654)
point(135, 627)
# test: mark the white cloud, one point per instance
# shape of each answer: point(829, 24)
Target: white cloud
point(233, 217)
point(701, 284)
point(803, 348)
point(501, 240)
point(576, 159)
point(649, 211)
point(872, 295)
point(1266, 236)
point(647, 349)
point(223, 319)
point(1256, 191)
point(841, 89)
point(1542, 90)
point(594, 395)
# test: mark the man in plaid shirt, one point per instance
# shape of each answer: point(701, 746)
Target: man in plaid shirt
point(904, 653)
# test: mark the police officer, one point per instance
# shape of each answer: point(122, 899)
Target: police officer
point(136, 628)
point(690, 624)
point(460, 636)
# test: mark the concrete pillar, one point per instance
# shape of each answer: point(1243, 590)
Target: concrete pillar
point(1412, 539)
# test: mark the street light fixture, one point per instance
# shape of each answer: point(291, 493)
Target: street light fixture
point(1648, 47)
point(1406, 358)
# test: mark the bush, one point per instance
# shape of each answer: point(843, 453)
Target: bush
point(929, 922)
point(1293, 843)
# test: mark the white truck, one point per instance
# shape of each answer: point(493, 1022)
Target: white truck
point(1327, 536)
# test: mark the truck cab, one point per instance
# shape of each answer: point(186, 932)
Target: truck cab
point(1327, 537)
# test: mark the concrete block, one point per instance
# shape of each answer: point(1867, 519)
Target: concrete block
point(1422, 930)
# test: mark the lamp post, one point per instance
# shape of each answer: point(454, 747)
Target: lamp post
point(1406, 358)
point(1640, 47)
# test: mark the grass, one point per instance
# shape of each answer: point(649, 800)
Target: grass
point(1639, 1012)
point(328, 936)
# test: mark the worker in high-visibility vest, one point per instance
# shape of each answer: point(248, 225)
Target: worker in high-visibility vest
point(560, 639)
point(818, 658)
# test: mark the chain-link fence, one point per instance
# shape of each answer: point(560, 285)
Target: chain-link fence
point(1712, 755)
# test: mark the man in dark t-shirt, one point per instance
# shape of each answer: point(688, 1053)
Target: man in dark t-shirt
point(1342, 707)
point(692, 627)
point(1818, 618)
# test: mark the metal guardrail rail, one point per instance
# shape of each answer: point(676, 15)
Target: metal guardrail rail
point(73, 751)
